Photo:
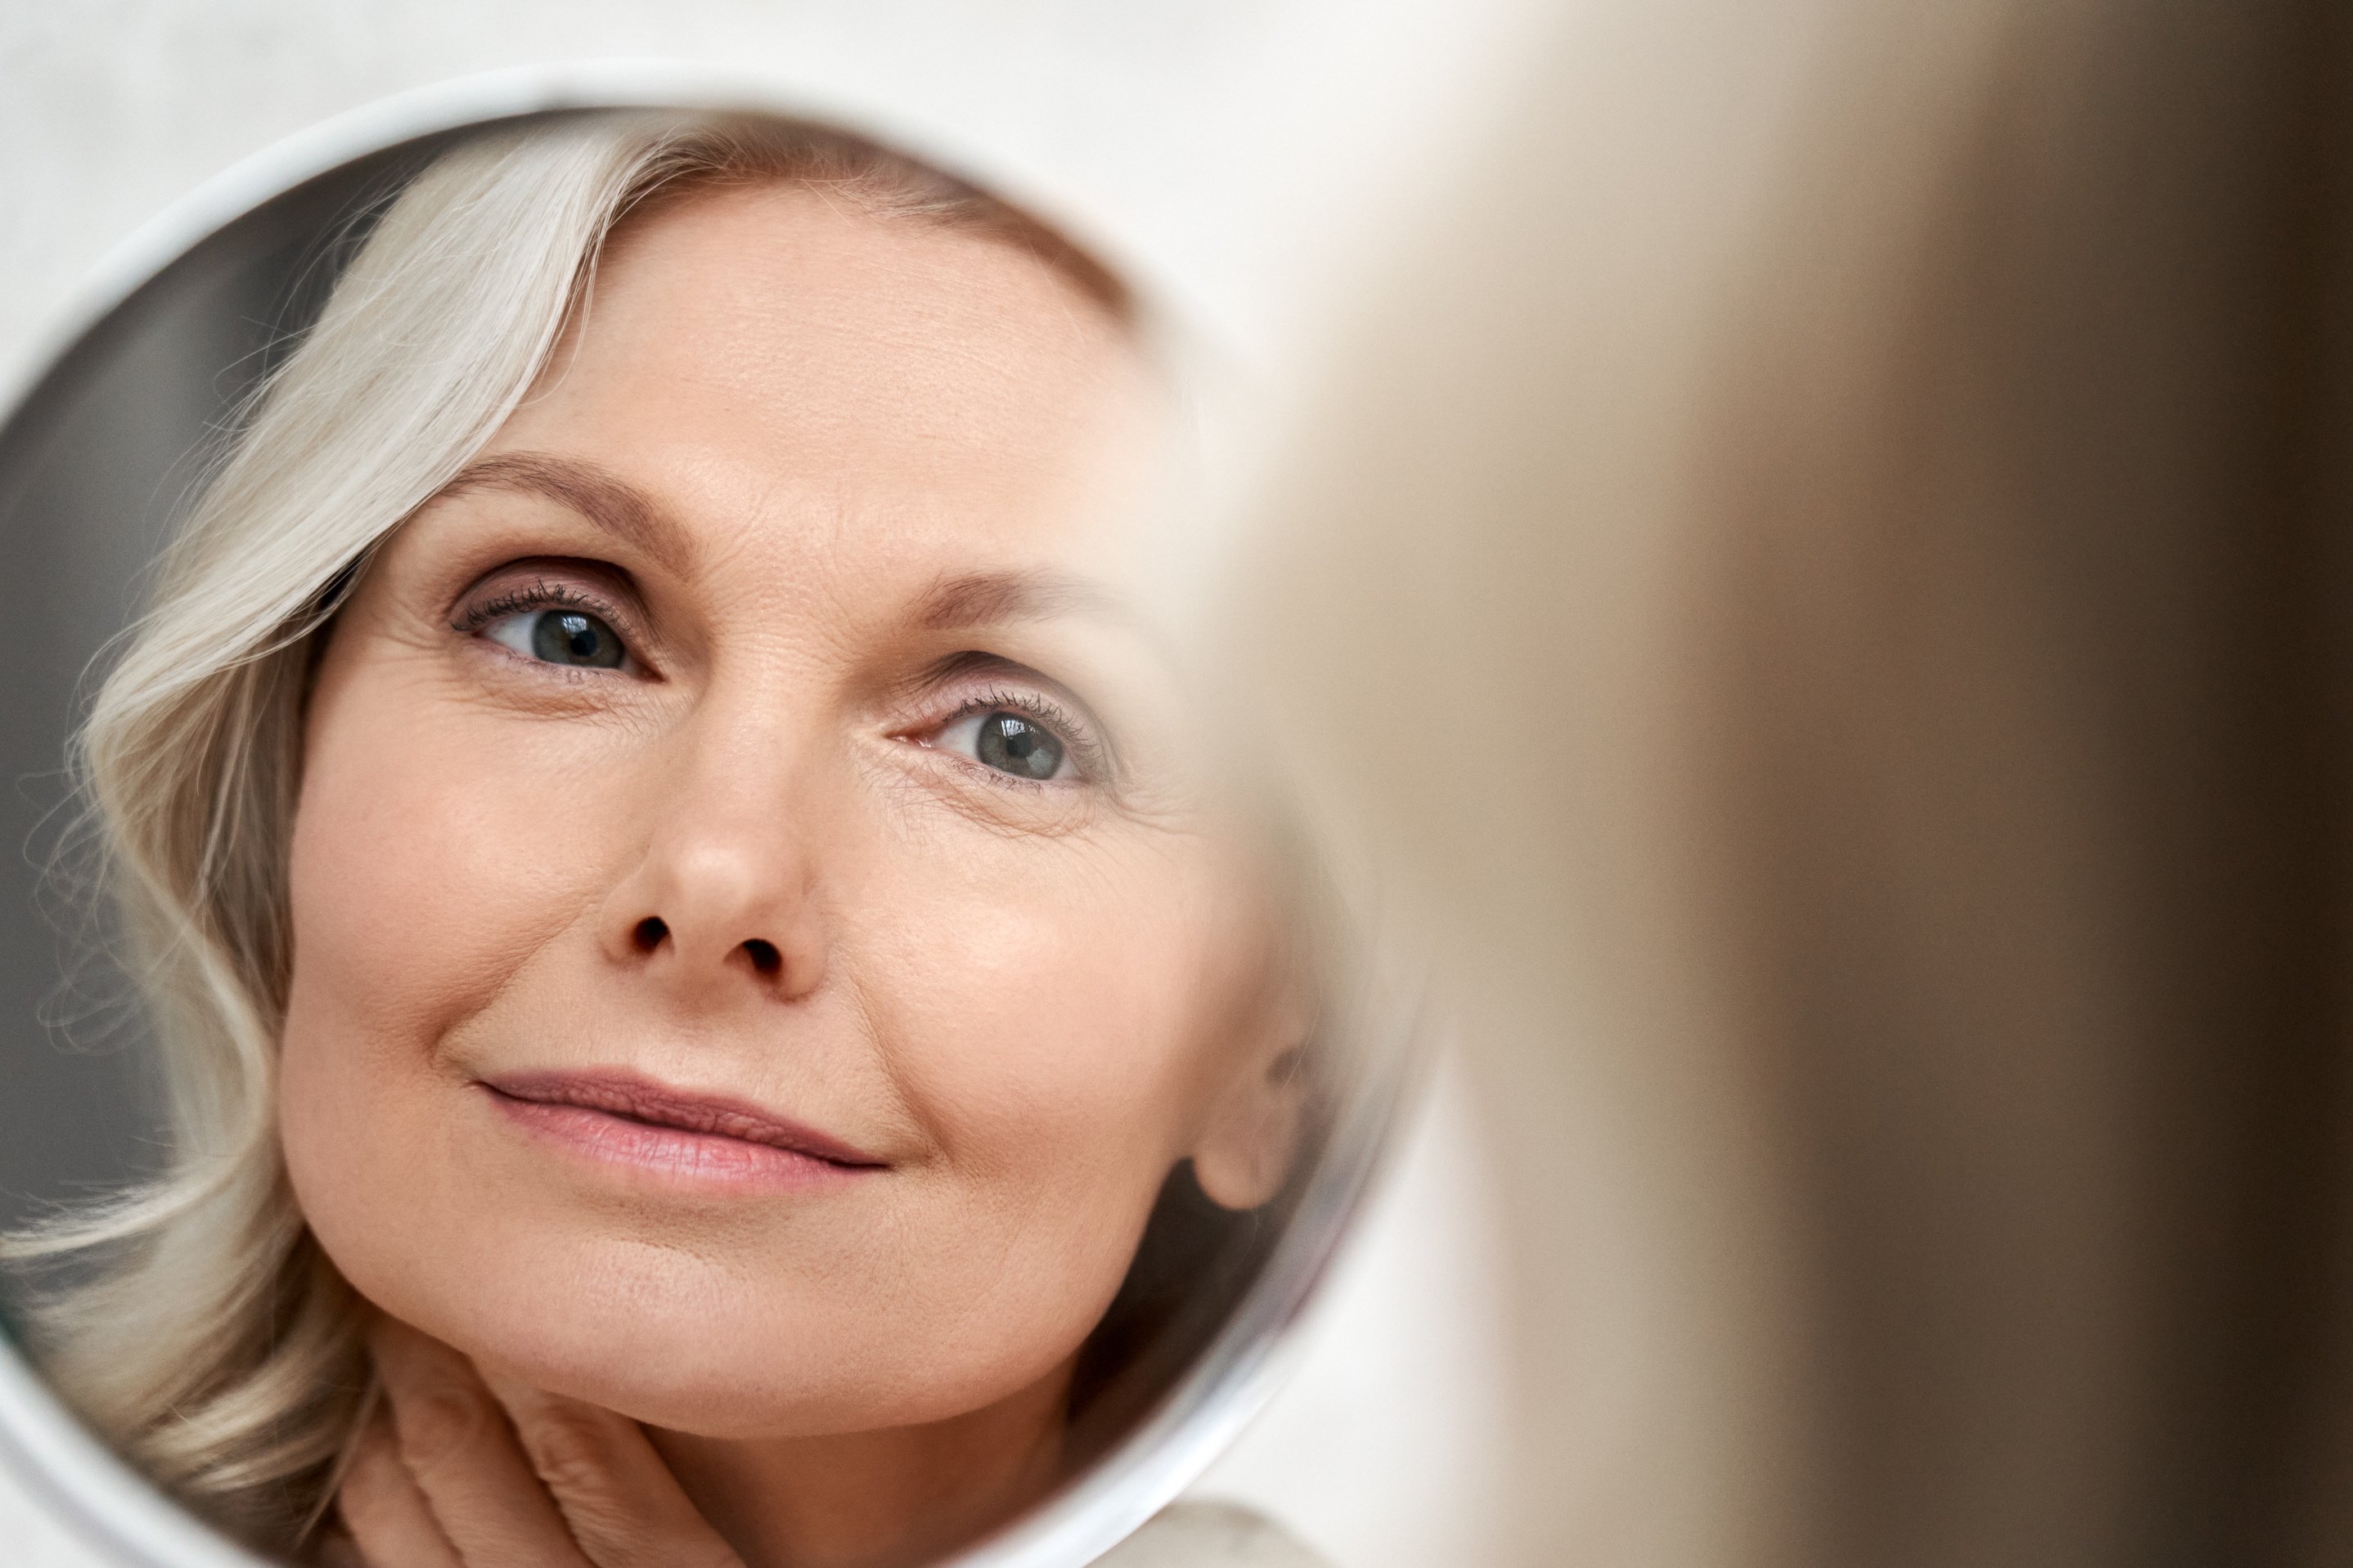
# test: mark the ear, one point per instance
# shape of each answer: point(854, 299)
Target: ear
point(1251, 1138)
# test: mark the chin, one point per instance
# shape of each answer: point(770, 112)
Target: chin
point(688, 1343)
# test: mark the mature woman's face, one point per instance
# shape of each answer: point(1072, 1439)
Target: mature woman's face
point(758, 949)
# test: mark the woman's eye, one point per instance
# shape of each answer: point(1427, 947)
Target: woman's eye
point(572, 638)
point(1010, 742)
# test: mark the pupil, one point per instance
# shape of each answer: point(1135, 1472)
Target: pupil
point(568, 637)
point(1014, 745)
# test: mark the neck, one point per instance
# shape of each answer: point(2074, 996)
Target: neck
point(885, 1498)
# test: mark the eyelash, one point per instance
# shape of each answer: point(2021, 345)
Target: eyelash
point(544, 596)
point(1084, 751)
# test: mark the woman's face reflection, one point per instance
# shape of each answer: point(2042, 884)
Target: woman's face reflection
point(758, 950)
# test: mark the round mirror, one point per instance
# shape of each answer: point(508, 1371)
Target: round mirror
point(638, 936)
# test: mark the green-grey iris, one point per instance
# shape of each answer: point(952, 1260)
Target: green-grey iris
point(1012, 745)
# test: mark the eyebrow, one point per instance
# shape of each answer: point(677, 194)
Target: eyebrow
point(988, 599)
point(596, 494)
point(618, 507)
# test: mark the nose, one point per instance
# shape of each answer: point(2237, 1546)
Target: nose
point(723, 898)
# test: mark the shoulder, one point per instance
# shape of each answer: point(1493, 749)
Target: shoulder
point(1191, 1534)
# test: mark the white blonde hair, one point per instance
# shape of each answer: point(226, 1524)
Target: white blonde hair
point(198, 1326)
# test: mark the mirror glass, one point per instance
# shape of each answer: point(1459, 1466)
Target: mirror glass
point(635, 933)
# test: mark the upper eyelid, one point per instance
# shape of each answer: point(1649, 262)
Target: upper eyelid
point(989, 670)
point(1079, 733)
point(495, 595)
point(1091, 749)
point(490, 602)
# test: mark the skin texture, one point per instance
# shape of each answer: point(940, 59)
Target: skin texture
point(842, 484)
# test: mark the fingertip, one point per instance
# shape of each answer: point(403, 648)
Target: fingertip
point(381, 1519)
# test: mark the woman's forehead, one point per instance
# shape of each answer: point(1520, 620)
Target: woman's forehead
point(820, 320)
point(770, 368)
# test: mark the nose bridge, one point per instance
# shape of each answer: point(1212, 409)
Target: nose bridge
point(732, 856)
point(739, 772)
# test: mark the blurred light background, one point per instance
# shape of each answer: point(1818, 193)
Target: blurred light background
point(1255, 156)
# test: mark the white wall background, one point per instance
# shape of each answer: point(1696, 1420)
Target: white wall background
point(1236, 145)
point(1243, 151)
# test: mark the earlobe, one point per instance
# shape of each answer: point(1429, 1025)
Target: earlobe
point(1246, 1151)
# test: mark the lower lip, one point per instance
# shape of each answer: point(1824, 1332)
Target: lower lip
point(704, 1160)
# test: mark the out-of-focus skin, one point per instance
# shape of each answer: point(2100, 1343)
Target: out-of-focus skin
point(760, 939)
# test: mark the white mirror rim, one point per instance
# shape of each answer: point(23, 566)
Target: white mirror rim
point(125, 1519)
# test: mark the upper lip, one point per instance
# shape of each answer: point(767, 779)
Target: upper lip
point(641, 1099)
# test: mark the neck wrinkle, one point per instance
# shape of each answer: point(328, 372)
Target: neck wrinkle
point(895, 1497)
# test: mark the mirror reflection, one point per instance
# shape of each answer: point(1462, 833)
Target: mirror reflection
point(717, 994)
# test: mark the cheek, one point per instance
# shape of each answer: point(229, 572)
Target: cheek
point(416, 884)
point(1059, 1019)
point(429, 858)
point(1051, 1042)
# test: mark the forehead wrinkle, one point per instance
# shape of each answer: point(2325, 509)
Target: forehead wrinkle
point(593, 493)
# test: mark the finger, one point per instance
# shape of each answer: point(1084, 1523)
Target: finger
point(455, 1442)
point(386, 1521)
point(624, 1507)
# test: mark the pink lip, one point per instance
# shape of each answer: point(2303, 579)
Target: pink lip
point(620, 1119)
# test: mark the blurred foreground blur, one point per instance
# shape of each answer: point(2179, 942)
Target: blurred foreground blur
point(1828, 573)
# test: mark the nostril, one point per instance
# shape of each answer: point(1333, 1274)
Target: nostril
point(765, 956)
point(649, 933)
